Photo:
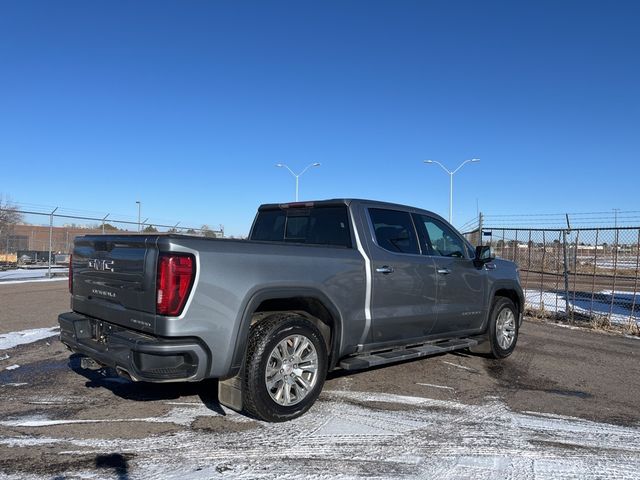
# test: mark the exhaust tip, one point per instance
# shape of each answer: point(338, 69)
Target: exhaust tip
point(123, 373)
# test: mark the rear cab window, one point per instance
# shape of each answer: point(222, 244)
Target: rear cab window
point(318, 225)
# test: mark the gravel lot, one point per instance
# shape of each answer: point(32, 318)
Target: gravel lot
point(565, 405)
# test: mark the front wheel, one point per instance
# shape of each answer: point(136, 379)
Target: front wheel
point(503, 327)
point(285, 368)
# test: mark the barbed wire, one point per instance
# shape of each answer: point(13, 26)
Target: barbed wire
point(598, 219)
point(104, 219)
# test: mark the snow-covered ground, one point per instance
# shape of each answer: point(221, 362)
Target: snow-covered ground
point(13, 339)
point(581, 302)
point(20, 275)
point(352, 435)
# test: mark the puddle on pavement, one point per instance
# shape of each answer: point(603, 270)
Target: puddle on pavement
point(29, 372)
point(513, 378)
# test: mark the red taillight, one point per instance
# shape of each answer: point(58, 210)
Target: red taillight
point(176, 273)
point(71, 274)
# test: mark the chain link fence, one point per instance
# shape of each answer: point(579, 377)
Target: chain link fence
point(588, 273)
point(46, 239)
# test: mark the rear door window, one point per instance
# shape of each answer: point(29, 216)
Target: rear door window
point(394, 230)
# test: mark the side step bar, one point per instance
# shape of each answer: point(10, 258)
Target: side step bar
point(390, 356)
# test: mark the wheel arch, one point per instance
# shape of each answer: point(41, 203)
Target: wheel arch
point(509, 290)
point(512, 295)
point(307, 302)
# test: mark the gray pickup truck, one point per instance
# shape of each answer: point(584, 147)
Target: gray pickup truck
point(320, 285)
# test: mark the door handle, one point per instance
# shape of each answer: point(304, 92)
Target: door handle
point(444, 271)
point(385, 269)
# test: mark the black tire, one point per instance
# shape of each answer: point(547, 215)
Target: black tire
point(264, 337)
point(502, 305)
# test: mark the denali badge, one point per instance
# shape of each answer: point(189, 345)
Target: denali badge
point(104, 293)
point(101, 265)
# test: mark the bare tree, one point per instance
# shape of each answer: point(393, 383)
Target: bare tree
point(9, 216)
point(206, 231)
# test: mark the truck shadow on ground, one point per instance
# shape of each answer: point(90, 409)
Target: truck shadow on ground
point(206, 391)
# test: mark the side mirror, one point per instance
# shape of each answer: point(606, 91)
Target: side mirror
point(484, 254)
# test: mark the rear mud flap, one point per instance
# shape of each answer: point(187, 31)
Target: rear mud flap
point(483, 347)
point(230, 393)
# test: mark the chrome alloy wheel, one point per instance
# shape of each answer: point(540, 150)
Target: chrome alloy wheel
point(292, 370)
point(505, 328)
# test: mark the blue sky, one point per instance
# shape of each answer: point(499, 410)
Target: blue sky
point(187, 106)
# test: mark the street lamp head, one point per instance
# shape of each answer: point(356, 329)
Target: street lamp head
point(428, 161)
point(475, 159)
point(279, 165)
point(315, 164)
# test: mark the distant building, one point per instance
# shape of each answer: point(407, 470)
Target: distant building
point(36, 238)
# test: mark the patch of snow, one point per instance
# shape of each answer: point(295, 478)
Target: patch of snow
point(12, 367)
point(459, 366)
point(35, 280)
point(13, 339)
point(4, 357)
point(606, 303)
point(49, 423)
point(350, 435)
point(31, 272)
point(178, 416)
point(435, 386)
point(343, 437)
point(28, 273)
point(18, 384)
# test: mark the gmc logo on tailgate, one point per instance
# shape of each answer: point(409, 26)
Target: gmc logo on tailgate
point(101, 265)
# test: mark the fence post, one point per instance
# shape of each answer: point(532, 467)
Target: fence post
point(595, 272)
point(632, 324)
point(615, 273)
point(575, 272)
point(566, 273)
point(50, 239)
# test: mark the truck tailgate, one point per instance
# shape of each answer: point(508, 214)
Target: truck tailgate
point(114, 278)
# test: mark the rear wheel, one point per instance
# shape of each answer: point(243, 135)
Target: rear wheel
point(285, 368)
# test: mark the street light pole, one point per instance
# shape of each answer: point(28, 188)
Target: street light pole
point(297, 176)
point(451, 174)
point(451, 198)
point(50, 239)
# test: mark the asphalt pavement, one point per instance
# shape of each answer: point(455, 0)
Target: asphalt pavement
point(564, 405)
